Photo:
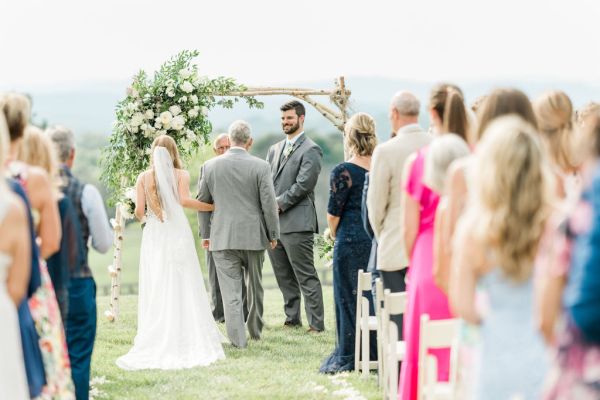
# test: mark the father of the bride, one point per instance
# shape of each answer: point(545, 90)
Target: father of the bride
point(244, 224)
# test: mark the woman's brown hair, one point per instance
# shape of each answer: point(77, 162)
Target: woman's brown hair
point(448, 102)
point(169, 143)
point(504, 101)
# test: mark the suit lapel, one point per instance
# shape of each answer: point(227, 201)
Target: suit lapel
point(286, 159)
point(277, 157)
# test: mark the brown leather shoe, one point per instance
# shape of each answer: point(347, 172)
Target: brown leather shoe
point(313, 330)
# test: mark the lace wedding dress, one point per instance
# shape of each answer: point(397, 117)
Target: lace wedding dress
point(175, 328)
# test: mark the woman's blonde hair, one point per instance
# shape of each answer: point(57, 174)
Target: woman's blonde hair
point(509, 203)
point(554, 113)
point(38, 150)
point(4, 145)
point(169, 143)
point(360, 134)
point(16, 108)
point(442, 152)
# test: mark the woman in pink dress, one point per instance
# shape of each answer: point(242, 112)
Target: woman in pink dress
point(448, 114)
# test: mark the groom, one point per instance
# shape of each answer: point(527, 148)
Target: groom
point(244, 224)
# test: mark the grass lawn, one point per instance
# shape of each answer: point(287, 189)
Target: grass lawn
point(282, 365)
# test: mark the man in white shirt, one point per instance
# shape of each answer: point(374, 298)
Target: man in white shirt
point(94, 228)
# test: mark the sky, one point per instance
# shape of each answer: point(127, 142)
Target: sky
point(62, 43)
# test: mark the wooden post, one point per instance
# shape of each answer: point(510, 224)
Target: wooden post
point(115, 281)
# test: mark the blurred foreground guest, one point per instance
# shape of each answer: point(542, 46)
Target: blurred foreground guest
point(555, 116)
point(38, 150)
point(94, 227)
point(449, 115)
point(499, 102)
point(384, 198)
point(495, 247)
point(15, 267)
point(352, 244)
point(43, 304)
point(569, 302)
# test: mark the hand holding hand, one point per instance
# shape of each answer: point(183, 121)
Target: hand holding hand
point(205, 243)
point(273, 244)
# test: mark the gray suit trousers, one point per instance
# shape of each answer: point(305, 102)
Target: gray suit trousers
point(230, 271)
point(294, 268)
point(215, 290)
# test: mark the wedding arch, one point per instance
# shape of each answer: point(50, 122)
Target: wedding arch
point(176, 102)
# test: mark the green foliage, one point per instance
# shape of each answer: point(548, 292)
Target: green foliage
point(176, 103)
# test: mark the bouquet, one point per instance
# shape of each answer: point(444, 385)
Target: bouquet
point(324, 245)
point(127, 203)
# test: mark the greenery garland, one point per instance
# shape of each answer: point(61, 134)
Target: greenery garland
point(176, 103)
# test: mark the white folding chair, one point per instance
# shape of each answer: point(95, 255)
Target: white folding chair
point(364, 325)
point(394, 350)
point(437, 334)
point(378, 314)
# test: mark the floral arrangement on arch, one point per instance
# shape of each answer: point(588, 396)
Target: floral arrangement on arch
point(175, 103)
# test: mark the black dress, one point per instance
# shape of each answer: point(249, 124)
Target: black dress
point(350, 253)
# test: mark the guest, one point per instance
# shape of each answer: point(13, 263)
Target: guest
point(589, 110)
point(93, 223)
point(43, 304)
point(569, 286)
point(496, 243)
point(15, 267)
point(449, 114)
point(295, 165)
point(385, 193)
point(352, 244)
point(220, 146)
point(555, 117)
point(499, 102)
point(39, 151)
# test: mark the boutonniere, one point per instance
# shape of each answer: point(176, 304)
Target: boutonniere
point(288, 151)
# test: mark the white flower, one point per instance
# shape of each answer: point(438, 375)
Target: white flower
point(109, 315)
point(112, 271)
point(166, 117)
point(144, 126)
point(137, 119)
point(190, 134)
point(149, 150)
point(161, 132)
point(135, 129)
point(130, 194)
point(185, 73)
point(131, 106)
point(193, 113)
point(204, 111)
point(194, 99)
point(157, 123)
point(187, 87)
point(182, 99)
point(178, 123)
point(149, 114)
point(170, 92)
point(175, 110)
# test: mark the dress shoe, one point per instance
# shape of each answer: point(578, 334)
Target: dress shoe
point(290, 324)
point(313, 330)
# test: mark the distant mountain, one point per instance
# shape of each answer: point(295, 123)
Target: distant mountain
point(89, 107)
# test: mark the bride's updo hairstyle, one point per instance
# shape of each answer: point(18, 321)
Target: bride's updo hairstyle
point(168, 143)
point(360, 134)
point(555, 117)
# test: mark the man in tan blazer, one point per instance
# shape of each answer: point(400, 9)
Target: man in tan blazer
point(385, 189)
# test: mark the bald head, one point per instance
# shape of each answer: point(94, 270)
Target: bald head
point(404, 110)
point(221, 144)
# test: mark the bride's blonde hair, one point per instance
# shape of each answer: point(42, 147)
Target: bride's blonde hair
point(169, 143)
point(509, 203)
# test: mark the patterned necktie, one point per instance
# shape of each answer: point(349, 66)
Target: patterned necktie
point(288, 150)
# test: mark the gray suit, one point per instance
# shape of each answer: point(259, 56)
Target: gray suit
point(295, 178)
point(243, 223)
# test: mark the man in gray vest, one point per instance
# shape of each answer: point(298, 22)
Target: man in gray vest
point(295, 165)
point(243, 225)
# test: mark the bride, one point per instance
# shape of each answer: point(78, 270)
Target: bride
point(176, 328)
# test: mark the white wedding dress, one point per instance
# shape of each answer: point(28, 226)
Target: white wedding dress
point(13, 382)
point(176, 328)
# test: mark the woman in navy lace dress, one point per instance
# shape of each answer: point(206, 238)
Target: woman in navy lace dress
point(352, 244)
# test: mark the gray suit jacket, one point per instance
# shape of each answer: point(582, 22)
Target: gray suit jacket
point(241, 187)
point(295, 178)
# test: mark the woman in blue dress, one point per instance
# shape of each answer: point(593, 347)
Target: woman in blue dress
point(352, 244)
